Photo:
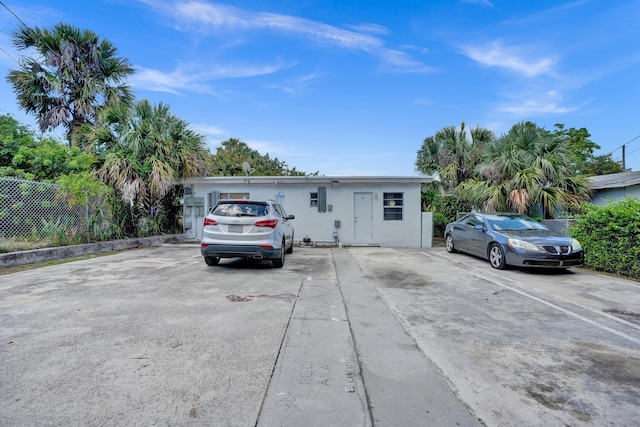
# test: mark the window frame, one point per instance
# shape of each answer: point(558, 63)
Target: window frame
point(313, 201)
point(391, 209)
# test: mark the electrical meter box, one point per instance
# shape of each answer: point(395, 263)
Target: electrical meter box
point(195, 203)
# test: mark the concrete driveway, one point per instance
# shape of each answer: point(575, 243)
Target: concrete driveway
point(361, 336)
point(519, 347)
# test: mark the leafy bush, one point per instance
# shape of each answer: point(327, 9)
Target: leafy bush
point(610, 236)
point(439, 224)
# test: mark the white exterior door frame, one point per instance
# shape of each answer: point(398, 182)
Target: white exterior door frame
point(363, 217)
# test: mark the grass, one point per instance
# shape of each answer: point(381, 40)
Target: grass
point(15, 245)
point(26, 267)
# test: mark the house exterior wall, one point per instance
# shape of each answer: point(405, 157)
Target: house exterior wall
point(607, 196)
point(319, 226)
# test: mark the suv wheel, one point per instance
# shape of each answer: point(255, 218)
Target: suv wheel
point(211, 260)
point(279, 262)
point(290, 250)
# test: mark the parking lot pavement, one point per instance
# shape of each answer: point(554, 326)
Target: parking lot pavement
point(154, 336)
point(144, 337)
point(520, 347)
point(347, 361)
point(317, 376)
point(360, 336)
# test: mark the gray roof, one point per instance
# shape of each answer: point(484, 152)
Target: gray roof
point(309, 180)
point(614, 180)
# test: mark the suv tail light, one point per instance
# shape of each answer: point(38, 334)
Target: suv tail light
point(271, 223)
point(210, 221)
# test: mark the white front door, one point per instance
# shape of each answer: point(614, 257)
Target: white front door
point(363, 217)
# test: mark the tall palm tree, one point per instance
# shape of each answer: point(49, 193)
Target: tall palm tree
point(452, 153)
point(72, 75)
point(524, 168)
point(146, 150)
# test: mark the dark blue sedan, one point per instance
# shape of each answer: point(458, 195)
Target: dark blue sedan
point(512, 239)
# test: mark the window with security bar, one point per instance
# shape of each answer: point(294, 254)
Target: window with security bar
point(393, 205)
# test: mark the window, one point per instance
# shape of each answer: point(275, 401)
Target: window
point(318, 199)
point(240, 209)
point(280, 210)
point(235, 196)
point(392, 203)
point(472, 220)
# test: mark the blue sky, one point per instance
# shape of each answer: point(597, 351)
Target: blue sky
point(354, 87)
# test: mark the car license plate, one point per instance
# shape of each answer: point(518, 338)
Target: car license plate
point(235, 228)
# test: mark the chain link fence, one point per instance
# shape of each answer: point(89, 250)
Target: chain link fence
point(559, 225)
point(40, 212)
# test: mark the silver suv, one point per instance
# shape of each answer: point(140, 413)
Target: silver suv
point(252, 229)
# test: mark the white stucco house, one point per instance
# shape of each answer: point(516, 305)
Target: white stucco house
point(352, 210)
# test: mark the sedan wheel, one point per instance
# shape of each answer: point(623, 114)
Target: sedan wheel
point(448, 244)
point(496, 257)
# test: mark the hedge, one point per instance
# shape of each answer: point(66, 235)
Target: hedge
point(610, 236)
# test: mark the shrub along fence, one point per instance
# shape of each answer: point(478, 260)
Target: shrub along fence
point(610, 236)
point(40, 213)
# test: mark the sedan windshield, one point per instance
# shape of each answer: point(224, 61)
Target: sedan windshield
point(515, 222)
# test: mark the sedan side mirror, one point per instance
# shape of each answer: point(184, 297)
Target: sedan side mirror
point(290, 217)
point(479, 227)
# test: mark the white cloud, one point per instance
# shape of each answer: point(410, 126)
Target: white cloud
point(496, 55)
point(404, 62)
point(191, 77)
point(208, 130)
point(533, 107)
point(30, 15)
point(550, 102)
point(211, 18)
point(296, 86)
point(370, 28)
point(480, 2)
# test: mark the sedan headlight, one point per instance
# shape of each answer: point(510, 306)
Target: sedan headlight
point(521, 244)
point(575, 245)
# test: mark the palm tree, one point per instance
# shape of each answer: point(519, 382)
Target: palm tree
point(73, 76)
point(452, 154)
point(524, 168)
point(146, 151)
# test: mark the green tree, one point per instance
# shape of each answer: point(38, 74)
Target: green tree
point(232, 153)
point(602, 165)
point(72, 77)
point(13, 135)
point(50, 159)
point(525, 168)
point(582, 152)
point(26, 156)
point(146, 150)
point(452, 153)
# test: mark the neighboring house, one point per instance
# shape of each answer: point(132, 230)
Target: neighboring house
point(613, 187)
point(376, 211)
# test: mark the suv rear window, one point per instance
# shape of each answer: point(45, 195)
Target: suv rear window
point(240, 209)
